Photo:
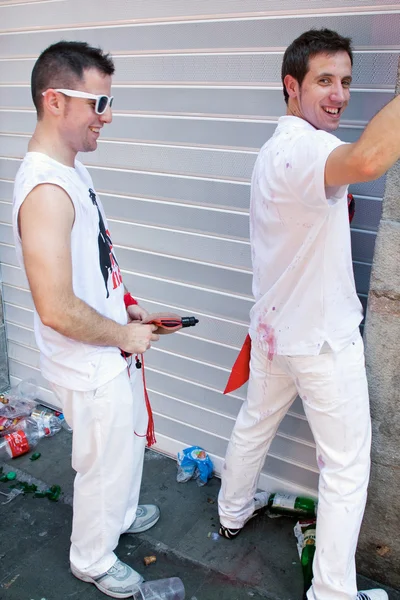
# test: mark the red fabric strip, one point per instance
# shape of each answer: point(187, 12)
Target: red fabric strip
point(128, 300)
point(241, 369)
point(150, 435)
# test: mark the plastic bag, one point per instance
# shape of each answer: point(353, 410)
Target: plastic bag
point(194, 463)
point(16, 404)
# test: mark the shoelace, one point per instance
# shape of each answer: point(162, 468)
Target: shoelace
point(361, 596)
point(116, 568)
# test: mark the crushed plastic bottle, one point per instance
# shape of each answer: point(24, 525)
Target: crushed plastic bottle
point(16, 404)
point(160, 589)
point(46, 419)
point(64, 423)
point(15, 409)
point(8, 424)
point(22, 440)
point(10, 496)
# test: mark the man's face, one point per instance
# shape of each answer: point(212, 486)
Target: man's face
point(325, 90)
point(81, 124)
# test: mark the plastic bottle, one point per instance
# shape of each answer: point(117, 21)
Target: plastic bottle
point(22, 440)
point(289, 504)
point(64, 423)
point(46, 419)
point(160, 589)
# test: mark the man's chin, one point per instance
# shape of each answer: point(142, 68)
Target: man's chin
point(329, 127)
point(334, 127)
point(89, 147)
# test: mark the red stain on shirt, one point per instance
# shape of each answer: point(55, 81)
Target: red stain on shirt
point(267, 334)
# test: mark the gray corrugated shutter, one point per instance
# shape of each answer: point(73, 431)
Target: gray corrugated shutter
point(197, 92)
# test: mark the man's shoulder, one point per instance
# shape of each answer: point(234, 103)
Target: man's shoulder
point(294, 128)
point(37, 164)
point(308, 142)
point(39, 169)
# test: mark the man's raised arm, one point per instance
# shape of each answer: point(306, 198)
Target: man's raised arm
point(372, 155)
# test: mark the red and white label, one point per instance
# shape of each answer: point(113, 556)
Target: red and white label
point(18, 443)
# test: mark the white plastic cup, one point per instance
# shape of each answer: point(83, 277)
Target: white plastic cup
point(27, 389)
point(160, 589)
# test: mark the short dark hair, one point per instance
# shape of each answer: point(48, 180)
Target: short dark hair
point(62, 64)
point(309, 44)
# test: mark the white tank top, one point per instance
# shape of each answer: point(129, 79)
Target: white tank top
point(95, 274)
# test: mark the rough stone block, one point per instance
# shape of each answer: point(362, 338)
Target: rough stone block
point(4, 380)
point(385, 276)
point(1, 307)
point(378, 552)
point(391, 206)
point(382, 334)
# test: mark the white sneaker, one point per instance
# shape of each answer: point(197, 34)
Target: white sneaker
point(261, 500)
point(117, 582)
point(147, 515)
point(376, 594)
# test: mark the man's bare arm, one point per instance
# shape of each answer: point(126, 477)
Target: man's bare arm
point(372, 155)
point(45, 221)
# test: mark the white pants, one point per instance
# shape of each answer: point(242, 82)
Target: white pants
point(333, 387)
point(109, 435)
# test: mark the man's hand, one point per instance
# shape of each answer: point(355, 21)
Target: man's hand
point(137, 337)
point(164, 315)
point(136, 313)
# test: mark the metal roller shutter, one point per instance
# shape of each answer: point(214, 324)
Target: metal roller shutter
point(198, 91)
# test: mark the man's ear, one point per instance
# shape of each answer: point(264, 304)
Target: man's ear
point(292, 86)
point(52, 102)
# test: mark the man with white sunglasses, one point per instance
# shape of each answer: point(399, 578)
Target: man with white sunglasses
point(84, 317)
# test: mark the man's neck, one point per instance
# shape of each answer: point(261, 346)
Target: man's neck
point(48, 142)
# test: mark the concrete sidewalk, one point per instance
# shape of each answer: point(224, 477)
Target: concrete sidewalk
point(262, 563)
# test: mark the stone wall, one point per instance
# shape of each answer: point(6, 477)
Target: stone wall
point(379, 545)
point(4, 382)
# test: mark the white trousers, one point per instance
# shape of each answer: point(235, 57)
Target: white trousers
point(109, 435)
point(333, 387)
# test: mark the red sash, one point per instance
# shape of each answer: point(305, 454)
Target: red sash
point(241, 369)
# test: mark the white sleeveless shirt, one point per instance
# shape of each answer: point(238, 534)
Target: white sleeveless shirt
point(96, 277)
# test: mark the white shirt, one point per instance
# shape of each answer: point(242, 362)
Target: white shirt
point(96, 277)
point(303, 280)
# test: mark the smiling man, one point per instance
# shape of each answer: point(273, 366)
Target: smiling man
point(304, 325)
point(84, 316)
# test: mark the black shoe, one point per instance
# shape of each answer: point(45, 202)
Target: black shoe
point(376, 594)
point(232, 533)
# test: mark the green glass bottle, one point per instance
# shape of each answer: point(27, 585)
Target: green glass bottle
point(289, 504)
point(307, 556)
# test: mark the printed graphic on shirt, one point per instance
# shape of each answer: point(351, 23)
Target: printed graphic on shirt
point(108, 262)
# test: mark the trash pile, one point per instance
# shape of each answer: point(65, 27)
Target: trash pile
point(305, 509)
point(24, 487)
point(24, 422)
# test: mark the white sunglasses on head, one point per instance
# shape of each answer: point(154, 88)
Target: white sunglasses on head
point(102, 101)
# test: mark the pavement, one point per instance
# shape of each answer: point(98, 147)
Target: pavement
point(261, 564)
